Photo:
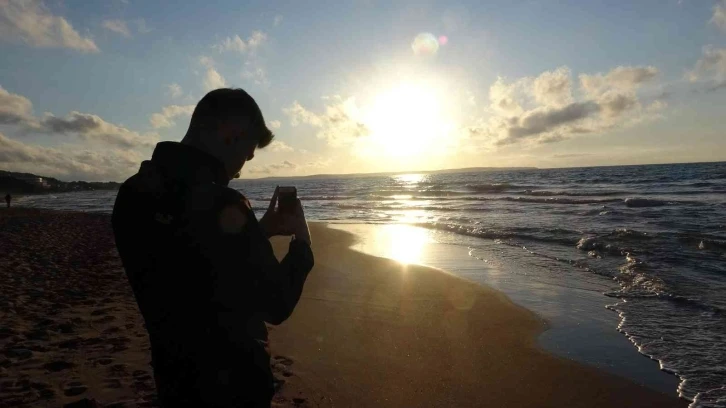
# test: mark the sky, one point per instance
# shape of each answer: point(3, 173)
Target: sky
point(87, 89)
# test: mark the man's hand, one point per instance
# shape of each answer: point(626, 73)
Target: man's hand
point(275, 223)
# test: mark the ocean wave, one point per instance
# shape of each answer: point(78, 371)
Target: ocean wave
point(492, 188)
point(526, 234)
point(417, 193)
point(561, 200)
point(644, 202)
point(547, 193)
point(328, 198)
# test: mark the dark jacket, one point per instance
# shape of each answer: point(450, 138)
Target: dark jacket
point(205, 279)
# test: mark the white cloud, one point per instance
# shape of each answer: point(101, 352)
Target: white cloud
point(277, 20)
point(212, 78)
point(255, 40)
point(274, 124)
point(339, 124)
point(544, 110)
point(117, 26)
point(280, 146)
point(31, 22)
point(257, 75)
point(621, 78)
point(168, 113)
point(174, 90)
point(504, 97)
point(711, 66)
point(207, 62)
point(69, 163)
point(14, 109)
point(719, 15)
point(553, 87)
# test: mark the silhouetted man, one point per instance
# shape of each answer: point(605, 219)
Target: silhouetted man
point(201, 265)
point(8, 199)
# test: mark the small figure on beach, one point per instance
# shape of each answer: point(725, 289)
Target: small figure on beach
point(8, 199)
point(201, 265)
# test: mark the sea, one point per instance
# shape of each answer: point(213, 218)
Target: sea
point(652, 238)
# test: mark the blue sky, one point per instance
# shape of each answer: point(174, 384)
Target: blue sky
point(89, 88)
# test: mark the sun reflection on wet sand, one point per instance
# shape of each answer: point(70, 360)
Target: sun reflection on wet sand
point(403, 243)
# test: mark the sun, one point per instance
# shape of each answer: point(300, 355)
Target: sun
point(408, 120)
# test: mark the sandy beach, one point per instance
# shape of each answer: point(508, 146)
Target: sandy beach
point(368, 331)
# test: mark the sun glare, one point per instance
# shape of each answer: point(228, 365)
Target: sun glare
point(408, 120)
point(400, 242)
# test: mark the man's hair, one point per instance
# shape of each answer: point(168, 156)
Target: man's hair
point(224, 103)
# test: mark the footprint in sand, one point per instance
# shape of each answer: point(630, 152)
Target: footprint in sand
point(56, 366)
point(282, 360)
point(74, 388)
point(105, 319)
point(44, 390)
point(112, 383)
point(118, 370)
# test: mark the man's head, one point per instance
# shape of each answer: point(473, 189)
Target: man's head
point(228, 124)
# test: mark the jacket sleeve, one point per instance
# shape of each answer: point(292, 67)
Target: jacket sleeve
point(248, 278)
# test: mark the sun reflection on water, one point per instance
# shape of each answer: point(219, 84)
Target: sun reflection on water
point(410, 178)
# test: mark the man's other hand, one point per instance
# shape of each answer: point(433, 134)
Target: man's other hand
point(276, 223)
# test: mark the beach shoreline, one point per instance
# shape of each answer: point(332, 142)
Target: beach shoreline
point(368, 331)
point(581, 327)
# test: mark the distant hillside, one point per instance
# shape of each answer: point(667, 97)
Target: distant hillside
point(360, 175)
point(26, 183)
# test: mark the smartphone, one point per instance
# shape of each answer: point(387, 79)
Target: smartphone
point(286, 199)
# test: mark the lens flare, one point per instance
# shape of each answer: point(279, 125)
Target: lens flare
point(425, 44)
point(443, 40)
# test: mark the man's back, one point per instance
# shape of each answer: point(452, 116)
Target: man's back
point(205, 279)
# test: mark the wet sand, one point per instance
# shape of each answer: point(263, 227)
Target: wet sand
point(368, 331)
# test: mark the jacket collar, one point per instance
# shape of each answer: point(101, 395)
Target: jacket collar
point(182, 161)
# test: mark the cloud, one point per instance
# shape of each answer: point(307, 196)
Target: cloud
point(257, 75)
point(274, 124)
point(31, 22)
point(18, 110)
point(545, 120)
point(338, 125)
point(277, 20)
point(711, 66)
point(544, 110)
point(94, 129)
point(256, 39)
point(504, 97)
point(117, 26)
point(553, 87)
point(174, 90)
point(271, 168)
point(719, 15)
point(14, 109)
point(280, 146)
point(621, 78)
point(167, 115)
point(571, 155)
point(68, 164)
point(141, 26)
point(212, 78)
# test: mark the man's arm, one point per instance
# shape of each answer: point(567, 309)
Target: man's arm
point(247, 276)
